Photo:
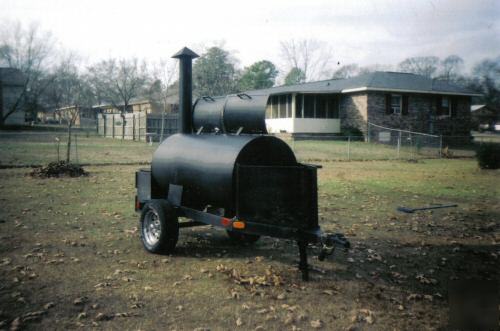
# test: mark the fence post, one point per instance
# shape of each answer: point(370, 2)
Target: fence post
point(76, 147)
point(113, 119)
point(368, 132)
point(133, 126)
point(440, 146)
point(348, 148)
point(399, 142)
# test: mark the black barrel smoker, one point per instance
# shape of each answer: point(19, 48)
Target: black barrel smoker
point(228, 174)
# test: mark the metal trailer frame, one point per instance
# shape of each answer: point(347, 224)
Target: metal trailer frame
point(249, 185)
point(300, 223)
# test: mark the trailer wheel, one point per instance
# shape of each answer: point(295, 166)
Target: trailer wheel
point(242, 237)
point(159, 227)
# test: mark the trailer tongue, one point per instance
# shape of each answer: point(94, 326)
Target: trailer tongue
point(230, 174)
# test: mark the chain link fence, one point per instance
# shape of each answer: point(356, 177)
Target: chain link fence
point(386, 144)
point(31, 148)
point(35, 148)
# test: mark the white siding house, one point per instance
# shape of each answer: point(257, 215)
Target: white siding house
point(303, 113)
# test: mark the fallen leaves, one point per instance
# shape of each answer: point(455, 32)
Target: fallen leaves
point(425, 280)
point(316, 324)
point(270, 278)
point(103, 317)
point(6, 261)
point(234, 294)
point(80, 301)
point(364, 315)
point(49, 305)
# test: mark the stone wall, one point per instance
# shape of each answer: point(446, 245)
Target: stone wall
point(353, 111)
point(421, 117)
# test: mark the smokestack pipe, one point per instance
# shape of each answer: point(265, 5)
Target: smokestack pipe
point(185, 57)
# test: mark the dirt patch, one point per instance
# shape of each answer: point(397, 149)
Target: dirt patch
point(59, 169)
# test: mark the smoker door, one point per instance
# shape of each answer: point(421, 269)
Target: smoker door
point(278, 195)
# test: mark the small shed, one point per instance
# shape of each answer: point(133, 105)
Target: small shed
point(484, 117)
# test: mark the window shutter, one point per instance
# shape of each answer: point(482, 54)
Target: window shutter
point(404, 111)
point(388, 104)
point(454, 106)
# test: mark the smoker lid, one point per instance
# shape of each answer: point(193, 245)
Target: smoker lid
point(230, 113)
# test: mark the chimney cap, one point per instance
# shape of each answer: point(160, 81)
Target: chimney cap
point(185, 52)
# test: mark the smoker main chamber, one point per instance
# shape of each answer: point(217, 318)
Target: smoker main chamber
point(228, 174)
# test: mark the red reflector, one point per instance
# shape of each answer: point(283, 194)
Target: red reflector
point(225, 221)
point(137, 204)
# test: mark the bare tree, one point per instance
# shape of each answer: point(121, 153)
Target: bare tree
point(120, 81)
point(346, 71)
point(451, 67)
point(28, 50)
point(420, 65)
point(164, 75)
point(70, 91)
point(375, 67)
point(311, 56)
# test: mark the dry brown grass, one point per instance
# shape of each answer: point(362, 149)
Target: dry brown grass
point(73, 243)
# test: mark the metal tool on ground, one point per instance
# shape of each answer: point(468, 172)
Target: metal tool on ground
point(412, 210)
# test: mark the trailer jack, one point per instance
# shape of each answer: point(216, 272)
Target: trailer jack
point(328, 244)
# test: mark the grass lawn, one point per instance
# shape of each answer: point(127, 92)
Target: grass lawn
point(70, 255)
point(38, 148)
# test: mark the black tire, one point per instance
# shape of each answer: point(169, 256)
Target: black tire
point(242, 237)
point(164, 239)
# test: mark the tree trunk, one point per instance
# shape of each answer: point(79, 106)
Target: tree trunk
point(68, 151)
point(123, 122)
point(163, 121)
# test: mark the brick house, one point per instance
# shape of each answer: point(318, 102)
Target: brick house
point(390, 99)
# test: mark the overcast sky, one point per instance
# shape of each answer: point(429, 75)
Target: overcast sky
point(364, 32)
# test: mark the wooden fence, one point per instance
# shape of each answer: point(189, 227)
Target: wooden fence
point(137, 126)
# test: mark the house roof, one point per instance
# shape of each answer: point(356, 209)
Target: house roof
point(12, 77)
point(476, 107)
point(133, 101)
point(374, 81)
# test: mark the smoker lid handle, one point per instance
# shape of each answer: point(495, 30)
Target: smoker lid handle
point(317, 166)
point(244, 96)
point(208, 98)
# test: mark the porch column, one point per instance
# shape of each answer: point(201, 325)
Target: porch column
point(294, 109)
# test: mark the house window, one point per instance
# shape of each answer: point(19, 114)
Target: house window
point(321, 106)
point(298, 105)
point(332, 107)
point(274, 100)
point(289, 106)
point(444, 107)
point(282, 103)
point(309, 106)
point(396, 104)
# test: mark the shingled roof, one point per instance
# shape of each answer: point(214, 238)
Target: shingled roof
point(11, 77)
point(374, 81)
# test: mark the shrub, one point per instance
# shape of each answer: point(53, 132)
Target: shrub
point(352, 131)
point(59, 169)
point(488, 156)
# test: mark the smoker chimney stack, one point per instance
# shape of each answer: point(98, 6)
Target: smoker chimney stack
point(185, 57)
